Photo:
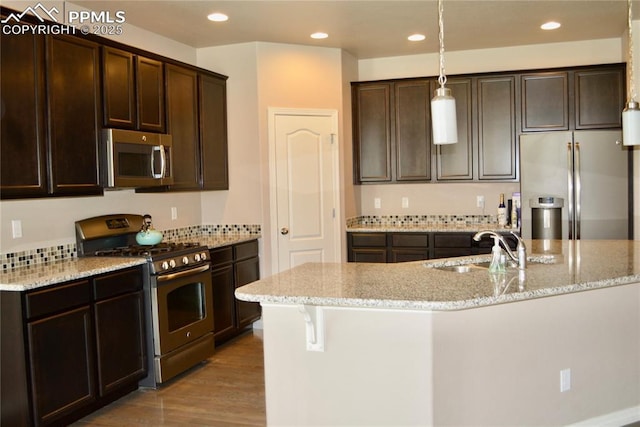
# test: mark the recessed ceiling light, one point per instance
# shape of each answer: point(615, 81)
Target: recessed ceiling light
point(551, 25)
point(217, 17)
point(416, 37)
point(319, 35)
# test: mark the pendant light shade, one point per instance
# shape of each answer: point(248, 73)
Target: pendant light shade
point(443, 116)
point(631, 113)
point(443, 105)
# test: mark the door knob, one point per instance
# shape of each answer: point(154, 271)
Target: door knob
point(284, 231)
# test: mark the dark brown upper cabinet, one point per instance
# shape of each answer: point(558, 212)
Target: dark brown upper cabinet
point(133, 91)
point(497, 158)
point(599, 97)
point(372, 128)
point(392, 128)
point(182, 116)
point(213, 132)
point(455, 161)
point(23, 119)
point(73, 76)
point(412, 130)
point(545, 101)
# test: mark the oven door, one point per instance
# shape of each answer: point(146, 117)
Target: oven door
point(182, 307)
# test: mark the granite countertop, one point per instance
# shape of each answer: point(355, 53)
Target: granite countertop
point(50, 273)
point(425, 228)
point(555, 268)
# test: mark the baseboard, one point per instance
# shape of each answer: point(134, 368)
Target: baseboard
point(613, 419)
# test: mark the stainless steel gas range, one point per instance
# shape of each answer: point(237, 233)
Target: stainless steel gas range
point(177, 287)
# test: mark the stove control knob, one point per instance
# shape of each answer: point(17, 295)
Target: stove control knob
point(203, 256)
point(185, 260)
point(172, 263)
point(165, 265)
point(196, 257)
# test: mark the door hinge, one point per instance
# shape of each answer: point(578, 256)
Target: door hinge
point(333, 212)
point(333, 138)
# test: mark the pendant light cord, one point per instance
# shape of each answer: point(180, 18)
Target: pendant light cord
point(442, 79)
point(631, 90)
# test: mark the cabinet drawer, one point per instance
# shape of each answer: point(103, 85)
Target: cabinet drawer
point(452, 240)
point(221, 256)
point(409, 240)
point(362, 240)
point(58, 298)
point(246, 250)
point(117, 283)
point(369, 255)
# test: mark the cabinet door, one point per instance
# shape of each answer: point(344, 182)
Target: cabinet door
point(412, 131)
point(150, 94)
point(247, 271)
point(73, 105)
point(23, 119)
point(118, 88)
point(455, 161)
point(61, 356)
point(497, 128)
point(213, 133)
point(599, 98)
point(224, 312)
point(408, 254)
point(120, 341)
point(545, 101)
point(372, 132)
point(182, 114)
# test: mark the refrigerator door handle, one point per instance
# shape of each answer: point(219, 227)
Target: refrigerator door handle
point(578, 188)
point(570, 187)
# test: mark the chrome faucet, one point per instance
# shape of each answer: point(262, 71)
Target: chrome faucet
point(521, 249)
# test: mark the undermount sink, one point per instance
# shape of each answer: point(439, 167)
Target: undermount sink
point(464, 268)
point(484, 266)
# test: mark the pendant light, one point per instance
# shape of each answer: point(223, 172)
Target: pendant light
point(443, 105)
point(631, 113)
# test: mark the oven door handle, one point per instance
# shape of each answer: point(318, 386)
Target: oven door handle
point(165, 277)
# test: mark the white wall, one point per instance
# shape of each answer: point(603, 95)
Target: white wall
point(491, 366)
point(264, 75)
point(242, 203)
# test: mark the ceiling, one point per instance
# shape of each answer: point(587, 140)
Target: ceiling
point(370, 29)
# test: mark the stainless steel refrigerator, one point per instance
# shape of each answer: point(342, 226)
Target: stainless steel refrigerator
point(589, 171)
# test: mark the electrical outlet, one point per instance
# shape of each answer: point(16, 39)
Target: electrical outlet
point(565, 380)
point(480, 201)
point(174, 214)
point(16, 228)
point(377, 203)
point(405, 202)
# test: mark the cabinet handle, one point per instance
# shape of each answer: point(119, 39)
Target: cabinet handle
point(284, 231)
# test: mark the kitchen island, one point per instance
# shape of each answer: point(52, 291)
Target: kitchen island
point(418, 344)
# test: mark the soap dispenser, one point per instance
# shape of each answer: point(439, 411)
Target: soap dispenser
point(498, 258)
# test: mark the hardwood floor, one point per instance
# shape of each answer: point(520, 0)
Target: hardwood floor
point(226, 390)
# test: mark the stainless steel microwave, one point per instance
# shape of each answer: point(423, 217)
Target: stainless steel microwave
point(136, 159)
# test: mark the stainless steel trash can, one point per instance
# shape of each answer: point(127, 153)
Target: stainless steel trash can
point(546, 217)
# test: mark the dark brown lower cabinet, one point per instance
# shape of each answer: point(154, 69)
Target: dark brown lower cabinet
point(233, 266)
point(384, 247)
point(82, 348)
point(61, 362)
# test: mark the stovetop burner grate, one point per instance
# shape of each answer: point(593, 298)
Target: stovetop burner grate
point(145, 250)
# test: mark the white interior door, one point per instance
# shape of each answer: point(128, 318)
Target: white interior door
point(305, 150)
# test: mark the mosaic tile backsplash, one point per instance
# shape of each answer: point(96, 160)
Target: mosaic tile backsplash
point(399, 220)
point(42, 255)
